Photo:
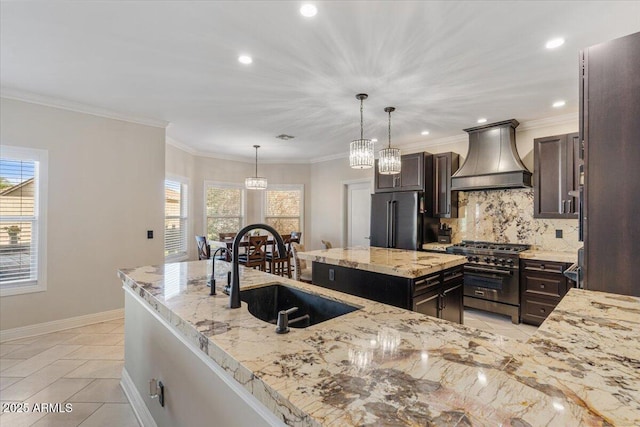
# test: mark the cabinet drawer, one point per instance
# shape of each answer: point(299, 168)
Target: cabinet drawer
point(535, 310)
point(550, 285)
point(550, 266)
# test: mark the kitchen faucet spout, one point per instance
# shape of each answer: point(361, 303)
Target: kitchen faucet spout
point(234, 294)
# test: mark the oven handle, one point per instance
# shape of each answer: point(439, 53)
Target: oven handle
point(487, 270)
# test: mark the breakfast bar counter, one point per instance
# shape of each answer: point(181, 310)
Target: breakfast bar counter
point(382, 365)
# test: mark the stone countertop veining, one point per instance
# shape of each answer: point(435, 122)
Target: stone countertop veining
point(435, 246)
point(569, 257)
point(394, 262)
point(381, 365)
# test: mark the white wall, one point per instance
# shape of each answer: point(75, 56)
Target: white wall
point(328, 177)
point(105, 191)
point(200, 169)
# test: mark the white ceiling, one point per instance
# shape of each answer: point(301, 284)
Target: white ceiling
point(441, 64)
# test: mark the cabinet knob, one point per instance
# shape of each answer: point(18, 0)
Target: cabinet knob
point(541, 286)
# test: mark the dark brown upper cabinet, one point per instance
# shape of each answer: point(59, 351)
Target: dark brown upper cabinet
point(415, 168)
point(445, 201)
point(556, 176)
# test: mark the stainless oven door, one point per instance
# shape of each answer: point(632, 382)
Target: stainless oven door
point(492, 283)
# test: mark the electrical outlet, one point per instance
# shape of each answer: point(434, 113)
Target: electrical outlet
point(149, 234)
point(332, 274)
point(558, 234)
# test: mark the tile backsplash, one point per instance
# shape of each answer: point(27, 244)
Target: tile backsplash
point(506, 216)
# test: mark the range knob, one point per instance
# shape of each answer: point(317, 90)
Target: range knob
point(476, 259)
point(510, 262)
point(494, 260)
point(487, 259)
point(503, 261)
point(470, 258)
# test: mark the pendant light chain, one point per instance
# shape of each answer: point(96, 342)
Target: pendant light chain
point(361, 150)
point(361, 118)
point(389, 128)
point(390, 159)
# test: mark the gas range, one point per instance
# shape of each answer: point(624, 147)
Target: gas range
point(489, 253)
point(491, 276)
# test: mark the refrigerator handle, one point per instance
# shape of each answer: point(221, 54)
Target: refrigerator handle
point(388, 222)
point(393, 223)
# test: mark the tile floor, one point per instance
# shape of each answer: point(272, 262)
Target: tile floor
point(82, 366)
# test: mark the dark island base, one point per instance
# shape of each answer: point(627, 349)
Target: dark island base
point(439, 294)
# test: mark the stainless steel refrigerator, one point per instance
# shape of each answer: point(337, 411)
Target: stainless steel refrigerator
point(398, 221)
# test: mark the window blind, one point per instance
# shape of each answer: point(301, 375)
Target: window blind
point(18, 222)
point(175, 223)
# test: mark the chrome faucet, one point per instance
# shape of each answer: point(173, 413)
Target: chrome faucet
point(212, 282)
point(234, 293)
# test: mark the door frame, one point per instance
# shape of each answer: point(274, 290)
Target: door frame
point(344, 185)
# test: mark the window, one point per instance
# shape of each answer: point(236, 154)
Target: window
point(225, 207)
point(23, 178)
point(284, 207)
point(175, 219)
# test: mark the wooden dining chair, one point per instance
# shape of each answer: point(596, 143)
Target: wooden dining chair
point(280, 264)
point(300, 271)
point(256, 253)
point(296, 236)
point(204, 250)
point(226, 236)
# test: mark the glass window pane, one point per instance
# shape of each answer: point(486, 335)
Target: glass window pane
point(172, 196)
point(215, 226)
point(284, 225)
point(283, 203)
point(224, 202)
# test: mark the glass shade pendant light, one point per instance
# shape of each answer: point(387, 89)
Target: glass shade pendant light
point(389, 162)
point(361, 150)
point(256, 182)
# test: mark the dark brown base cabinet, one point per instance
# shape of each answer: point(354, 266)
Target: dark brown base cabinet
point(437, 295)
point(542, 286)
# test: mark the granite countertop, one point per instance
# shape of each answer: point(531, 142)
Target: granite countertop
point(382, 365)
point(569, 257)
point(435, 246)
point(394, 262)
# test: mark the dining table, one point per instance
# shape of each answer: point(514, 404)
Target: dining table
point(228, 243)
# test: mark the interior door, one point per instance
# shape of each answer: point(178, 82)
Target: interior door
point(358, 214)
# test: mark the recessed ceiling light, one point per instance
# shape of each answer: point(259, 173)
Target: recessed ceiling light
point(554, 43)
point(482, 120)
point(245, 59)
point(424, 132)
point(374, 140)
point(308, 10)
point(559, 104)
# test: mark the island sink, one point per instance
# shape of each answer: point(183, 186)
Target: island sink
point(267, 301)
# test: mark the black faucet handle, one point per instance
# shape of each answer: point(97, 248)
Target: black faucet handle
point(283, 320)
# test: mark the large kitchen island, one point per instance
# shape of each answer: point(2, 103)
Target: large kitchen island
point(378, 365)
point(426, 282)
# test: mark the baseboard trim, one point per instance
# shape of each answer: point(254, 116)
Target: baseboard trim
point(137, 403)
point(60, 325)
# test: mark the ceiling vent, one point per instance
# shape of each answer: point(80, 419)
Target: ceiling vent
point(285, 137)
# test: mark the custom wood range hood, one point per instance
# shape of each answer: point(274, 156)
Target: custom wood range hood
point(492, 160)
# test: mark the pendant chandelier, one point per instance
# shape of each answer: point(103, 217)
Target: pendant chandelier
point(256, 182)
point(389, 162)
point(361, 150)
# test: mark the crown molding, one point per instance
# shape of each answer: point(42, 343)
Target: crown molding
point(565, 119)
point(65, 104)
point(218, 156)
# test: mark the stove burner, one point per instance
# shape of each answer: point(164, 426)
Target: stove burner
point(506, 247)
